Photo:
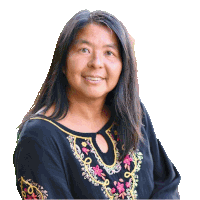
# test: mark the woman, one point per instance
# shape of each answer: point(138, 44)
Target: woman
point(88, 136)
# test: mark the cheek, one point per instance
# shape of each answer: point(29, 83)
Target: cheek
point(71, 68)
point(114, 74)
point(117, 71)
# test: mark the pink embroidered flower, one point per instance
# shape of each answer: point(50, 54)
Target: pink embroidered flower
point(113, 190)
point(127, 160)
point(28, 197)
point(128, 185)
point(97, 170)
point(85, 150)
point(33, 196)
point(120, 187)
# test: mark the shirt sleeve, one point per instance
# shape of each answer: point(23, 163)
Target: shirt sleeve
point(39, 170)
point(166, 176)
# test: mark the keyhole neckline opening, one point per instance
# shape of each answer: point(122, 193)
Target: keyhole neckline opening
point(102, 143)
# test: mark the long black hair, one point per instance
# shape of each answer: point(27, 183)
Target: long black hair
point(123, 100)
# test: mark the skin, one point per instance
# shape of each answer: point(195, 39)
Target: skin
point(94, 51)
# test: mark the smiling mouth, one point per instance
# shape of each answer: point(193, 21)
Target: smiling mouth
point(93, 79)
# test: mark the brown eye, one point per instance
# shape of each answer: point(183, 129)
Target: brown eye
point(109, 53)
point(84, 50)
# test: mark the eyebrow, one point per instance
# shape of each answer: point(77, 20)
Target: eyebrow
point(81, 41)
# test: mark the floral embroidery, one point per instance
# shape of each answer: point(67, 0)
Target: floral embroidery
point(31, 190)
point(126, 187)
point(96, 174)
point(119, 186)
point(85, 150)
point(121, 189)
point(113, 190)
point(127, 161)
point(84, 144)
point(33, 196)
point(97, 171)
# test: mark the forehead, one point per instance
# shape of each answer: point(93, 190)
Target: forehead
point(96, 34)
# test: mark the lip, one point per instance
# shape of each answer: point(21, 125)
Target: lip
point(93, 82)
point(94, 76)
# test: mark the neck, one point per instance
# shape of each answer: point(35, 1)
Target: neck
point(87, 109)
point(88, 112)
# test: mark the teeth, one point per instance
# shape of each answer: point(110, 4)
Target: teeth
point(93, 79)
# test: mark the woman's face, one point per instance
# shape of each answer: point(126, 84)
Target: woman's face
point(93, 64)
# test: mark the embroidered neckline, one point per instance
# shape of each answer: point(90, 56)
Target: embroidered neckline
point(107, 131)
point(96, 173)
point(71, 131)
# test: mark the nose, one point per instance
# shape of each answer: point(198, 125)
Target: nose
point(96, 60)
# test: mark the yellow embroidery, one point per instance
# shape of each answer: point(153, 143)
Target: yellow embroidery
point(30, 189)
point(115, 132)
point(84, 144)
point(132, 193)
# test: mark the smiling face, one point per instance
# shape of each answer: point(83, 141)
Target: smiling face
point(93, 64)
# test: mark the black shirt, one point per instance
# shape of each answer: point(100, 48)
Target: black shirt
point(54, 162)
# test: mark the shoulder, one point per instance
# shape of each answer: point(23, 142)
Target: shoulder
point(39, 130)
point(40, 136)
